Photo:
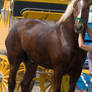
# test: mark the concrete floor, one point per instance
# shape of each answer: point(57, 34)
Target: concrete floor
point(36, 88)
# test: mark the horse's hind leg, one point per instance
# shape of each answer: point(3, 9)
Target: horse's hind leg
point(14, 64)
point(29, 74)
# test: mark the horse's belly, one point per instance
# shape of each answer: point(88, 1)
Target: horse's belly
point(44, 63)
point(41, 60)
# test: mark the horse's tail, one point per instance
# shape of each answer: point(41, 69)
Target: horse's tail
point(10, 39)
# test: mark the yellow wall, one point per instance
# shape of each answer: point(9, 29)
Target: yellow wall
point(4, 25)
point(48, 1)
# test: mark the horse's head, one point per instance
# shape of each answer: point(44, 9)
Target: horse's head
point(80, 13)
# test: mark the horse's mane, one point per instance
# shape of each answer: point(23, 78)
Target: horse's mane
point(68, 12)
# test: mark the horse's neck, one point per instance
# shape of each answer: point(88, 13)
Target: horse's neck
point(67, 29)
point(68, 24)
point(71, 20)
point(68, 34)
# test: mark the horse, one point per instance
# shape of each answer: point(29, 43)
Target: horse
point(35, 42)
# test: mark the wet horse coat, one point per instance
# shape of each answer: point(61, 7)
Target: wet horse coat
point(55, 47)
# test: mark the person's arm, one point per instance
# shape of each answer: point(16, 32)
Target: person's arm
point(89, 32)
point(82, 45)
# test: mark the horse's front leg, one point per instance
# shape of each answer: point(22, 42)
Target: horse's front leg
point(73, 79)
point(57, 79)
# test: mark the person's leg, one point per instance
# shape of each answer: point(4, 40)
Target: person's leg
point(90, 66)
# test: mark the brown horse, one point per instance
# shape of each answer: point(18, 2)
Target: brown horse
point(56, 47)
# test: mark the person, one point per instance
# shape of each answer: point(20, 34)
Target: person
point(88, 48)
point(81, 42)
